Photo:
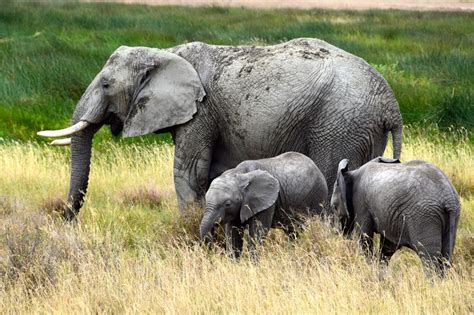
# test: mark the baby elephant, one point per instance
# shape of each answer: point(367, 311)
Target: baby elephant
point(410, 204)
point(273, 192)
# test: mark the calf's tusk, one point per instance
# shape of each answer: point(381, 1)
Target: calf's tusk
point(61, 142)
point(64, 132)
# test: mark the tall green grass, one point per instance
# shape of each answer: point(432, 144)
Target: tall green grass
point(49, 53)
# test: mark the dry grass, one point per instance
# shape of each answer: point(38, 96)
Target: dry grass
point(131, 253)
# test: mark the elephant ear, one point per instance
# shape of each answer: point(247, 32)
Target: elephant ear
point(166, 97)
point(341, 183)
point(260, 192)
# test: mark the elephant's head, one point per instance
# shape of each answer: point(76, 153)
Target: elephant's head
point(139, 90)
point(238, 197)
point(341, 194)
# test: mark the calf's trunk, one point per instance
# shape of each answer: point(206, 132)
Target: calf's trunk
point(211, 217)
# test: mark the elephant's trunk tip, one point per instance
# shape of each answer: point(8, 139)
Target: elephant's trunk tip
point(205, 234)
point(207, 224)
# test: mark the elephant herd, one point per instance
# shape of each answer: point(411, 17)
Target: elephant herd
point(264, 135)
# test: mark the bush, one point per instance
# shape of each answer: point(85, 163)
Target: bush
point(36, 247)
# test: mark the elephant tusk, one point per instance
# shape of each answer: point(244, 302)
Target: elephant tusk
point(64, 132)
point(61, 142)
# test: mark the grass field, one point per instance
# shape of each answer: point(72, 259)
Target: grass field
point(131, 252)
point(50, 53)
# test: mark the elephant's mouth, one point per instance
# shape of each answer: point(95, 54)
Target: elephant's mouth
point(116, 125)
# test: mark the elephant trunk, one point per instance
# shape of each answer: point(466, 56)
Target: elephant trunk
point(91, 109)
point(81, 149)
point(211, 217)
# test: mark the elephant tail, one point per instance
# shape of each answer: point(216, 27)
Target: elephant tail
point(397, 133)
point(449, 237)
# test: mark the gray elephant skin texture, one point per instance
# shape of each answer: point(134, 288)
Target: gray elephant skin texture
point(227, 104)
point(279, 192)
point(410, 204)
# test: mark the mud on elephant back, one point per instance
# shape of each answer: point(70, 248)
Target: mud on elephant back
point(226, 104)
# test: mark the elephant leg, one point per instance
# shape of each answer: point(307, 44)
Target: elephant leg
point(292, 232)
point(429, 250)
point(294, 228)
point(194, 143)
point(324, 160)
point(388, 248)
point(234, 240)
point(366, 239)
point(432, 261)
point(367, 243)
point(259, 226)
point(426, 238)
point(191, 181)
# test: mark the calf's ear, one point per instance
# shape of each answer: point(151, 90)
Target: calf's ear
point(342, 169)
point(260, 192)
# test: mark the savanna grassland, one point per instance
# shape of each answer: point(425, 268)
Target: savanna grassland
point(130, 250)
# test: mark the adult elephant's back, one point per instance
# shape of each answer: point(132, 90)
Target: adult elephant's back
point(305, 96)
point(354, 122)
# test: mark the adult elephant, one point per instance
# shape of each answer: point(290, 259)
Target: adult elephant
point(227, 104)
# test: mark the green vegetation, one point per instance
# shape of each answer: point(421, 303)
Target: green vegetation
point(49, 53)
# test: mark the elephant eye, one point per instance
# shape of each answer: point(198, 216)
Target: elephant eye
point(105, 82)
point(145, 76)
point(228, 203)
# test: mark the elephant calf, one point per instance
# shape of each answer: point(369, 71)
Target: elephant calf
point(410, 204)
point(274, 192)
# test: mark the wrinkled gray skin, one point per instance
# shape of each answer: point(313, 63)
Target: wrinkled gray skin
point(225, 104)
point(275, 192)
point(411, 204)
